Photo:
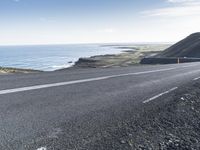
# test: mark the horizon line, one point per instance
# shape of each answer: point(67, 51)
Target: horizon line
point(86, 43)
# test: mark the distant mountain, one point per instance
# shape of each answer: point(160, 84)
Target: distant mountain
point(188, 47)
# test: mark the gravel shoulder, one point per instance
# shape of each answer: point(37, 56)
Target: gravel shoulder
point(172, 124)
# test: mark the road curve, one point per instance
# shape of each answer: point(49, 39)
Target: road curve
point(67, 109)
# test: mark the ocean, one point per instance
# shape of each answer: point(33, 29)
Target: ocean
point(50, 57)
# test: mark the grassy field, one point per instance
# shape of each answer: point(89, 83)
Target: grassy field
point(131, 55)
point(4, 70)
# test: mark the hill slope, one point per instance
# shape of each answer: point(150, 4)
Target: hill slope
point(188, 47)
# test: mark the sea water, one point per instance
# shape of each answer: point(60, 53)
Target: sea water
point(50, 57)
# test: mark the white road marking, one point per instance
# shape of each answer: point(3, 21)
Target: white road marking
point(196, 78)
point(42, 148)
point(159, 95)
point(36, 87)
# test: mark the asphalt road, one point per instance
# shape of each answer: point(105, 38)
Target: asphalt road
point(70, 109)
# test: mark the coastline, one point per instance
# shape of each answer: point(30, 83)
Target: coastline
point(130, 55)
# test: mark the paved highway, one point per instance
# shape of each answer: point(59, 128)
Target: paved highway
point(70, 109)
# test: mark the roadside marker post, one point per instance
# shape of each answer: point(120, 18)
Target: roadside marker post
point(178, 61)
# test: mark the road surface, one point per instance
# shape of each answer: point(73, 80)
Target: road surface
point(70, 109)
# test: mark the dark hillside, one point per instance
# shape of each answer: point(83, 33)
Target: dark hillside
point(188, 47)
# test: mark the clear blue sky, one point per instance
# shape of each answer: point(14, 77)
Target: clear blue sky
point(96, 21)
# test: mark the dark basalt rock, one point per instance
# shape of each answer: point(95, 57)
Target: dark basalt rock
point(188, 47)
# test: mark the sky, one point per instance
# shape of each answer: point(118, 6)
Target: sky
point(97, 21)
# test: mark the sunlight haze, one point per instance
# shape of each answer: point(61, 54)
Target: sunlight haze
point(92, 21)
